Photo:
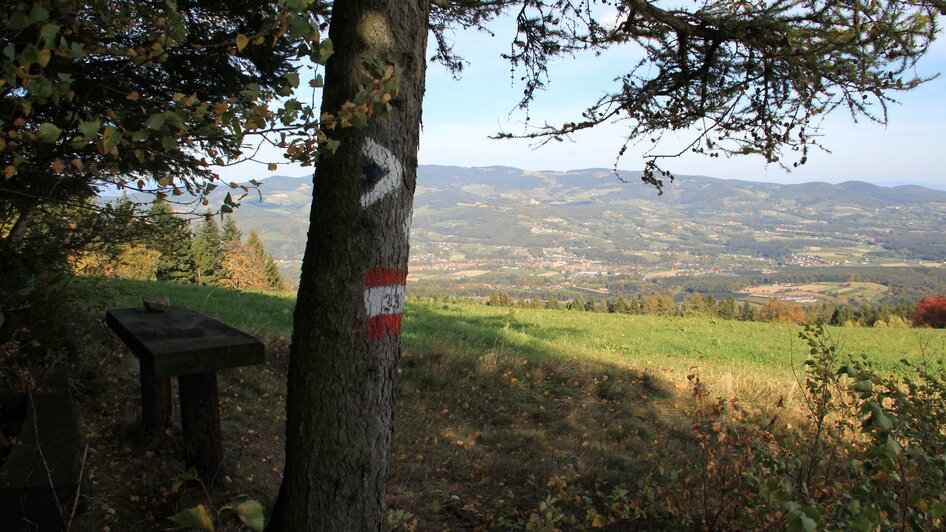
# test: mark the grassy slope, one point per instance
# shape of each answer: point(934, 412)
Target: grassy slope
point(645, 342)
point(492, 402)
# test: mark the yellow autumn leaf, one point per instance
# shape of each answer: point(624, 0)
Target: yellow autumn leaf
point(43, 57)
point(58, 166)
point(241, 41)
point(9, 171)
point(220, 107)
point(272, 167)
point(133, 96)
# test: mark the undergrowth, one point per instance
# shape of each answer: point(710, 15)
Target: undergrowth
point(868, 454)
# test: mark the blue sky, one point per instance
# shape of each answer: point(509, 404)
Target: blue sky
point(459, 116)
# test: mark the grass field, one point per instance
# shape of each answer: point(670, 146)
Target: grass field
point(668, 345)
point(492, 402)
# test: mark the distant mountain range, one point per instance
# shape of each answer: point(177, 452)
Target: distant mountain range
point(505, 226)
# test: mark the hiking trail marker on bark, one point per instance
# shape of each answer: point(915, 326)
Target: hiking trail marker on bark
point(384, 301)
point(383, 173)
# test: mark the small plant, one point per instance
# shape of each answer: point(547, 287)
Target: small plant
point(401, 520)
point(248, 511)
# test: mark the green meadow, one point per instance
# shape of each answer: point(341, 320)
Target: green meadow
point(672, 346)
point(495, 404)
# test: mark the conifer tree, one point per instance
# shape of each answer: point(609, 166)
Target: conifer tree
point(207, 251)
point(170, 236)
point(746, 313)
point(727, 308)
point(230, 231)
point(273, 276)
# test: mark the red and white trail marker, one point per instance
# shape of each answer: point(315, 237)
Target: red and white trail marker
point(384, 301)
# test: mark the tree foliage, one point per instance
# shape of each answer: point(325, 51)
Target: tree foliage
point(931, 311)
point(230, 231)
point(207, 251)
point(243, 270)
point(781, 311)
point(169, 235)
point(148, 92)
point(274, 280)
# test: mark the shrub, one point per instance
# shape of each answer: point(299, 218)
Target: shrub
point(931, 312)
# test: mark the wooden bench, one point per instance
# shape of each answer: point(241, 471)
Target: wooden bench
point(191, 346)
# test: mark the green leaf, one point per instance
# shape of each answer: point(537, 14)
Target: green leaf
point(326, 49)
point(48, 32)
point(18, 21)
point(799, 522)
point(330, 145)
point(359, 120)
point(169, 143)
point(76, 49)
point(250, 512)
point(48, 132)
point(938, 509)
point(38, 13)
point(196, 517)
point(891, 447)
point(90, 129)
point(155, 121)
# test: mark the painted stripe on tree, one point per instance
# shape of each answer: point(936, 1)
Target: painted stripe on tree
point(380, 327)
point(383, 276)
point(384, 301)
point(383, 172)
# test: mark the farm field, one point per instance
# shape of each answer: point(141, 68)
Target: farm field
point(834, 292)
point(492, 402)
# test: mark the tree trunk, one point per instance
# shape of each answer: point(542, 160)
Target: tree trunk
point(346, 335)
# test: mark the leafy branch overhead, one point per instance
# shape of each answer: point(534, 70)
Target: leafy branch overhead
point(154, 93)
point(744, 76)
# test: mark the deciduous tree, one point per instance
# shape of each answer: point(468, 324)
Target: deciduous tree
point(931, 311)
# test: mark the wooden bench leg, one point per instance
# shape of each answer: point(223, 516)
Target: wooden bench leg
point(200, 420)
point(155, 400)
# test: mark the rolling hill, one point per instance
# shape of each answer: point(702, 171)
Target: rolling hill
point(507, 228)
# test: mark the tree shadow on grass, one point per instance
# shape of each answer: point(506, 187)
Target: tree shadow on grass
point(489, 416)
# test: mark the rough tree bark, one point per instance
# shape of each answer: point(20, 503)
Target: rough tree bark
point(346, 336)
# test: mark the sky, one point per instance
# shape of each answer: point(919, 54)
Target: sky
point(460, 115)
